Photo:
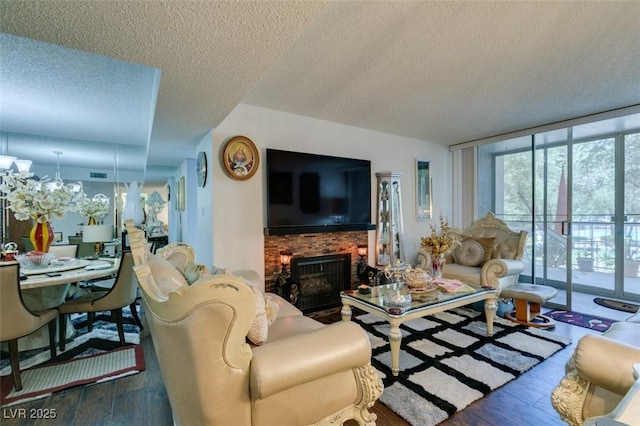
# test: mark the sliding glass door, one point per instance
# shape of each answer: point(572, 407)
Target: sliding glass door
point(552, 209)
point(630, 239)
point(593, 225)
point(576, 191)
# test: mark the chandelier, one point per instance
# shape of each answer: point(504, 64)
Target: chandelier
point(57, 182)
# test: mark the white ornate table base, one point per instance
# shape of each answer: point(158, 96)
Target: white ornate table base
point(395, 336)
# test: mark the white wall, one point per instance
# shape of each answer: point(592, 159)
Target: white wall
point(204, 210)
point(240, 206)
point(187, 220)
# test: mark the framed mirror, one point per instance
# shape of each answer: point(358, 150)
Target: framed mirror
point(423, 190)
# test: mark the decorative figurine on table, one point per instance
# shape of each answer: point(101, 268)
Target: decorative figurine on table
point(9, 251)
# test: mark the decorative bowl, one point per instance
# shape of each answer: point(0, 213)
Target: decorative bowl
point(396, 302)
point(418, 279)
point(35, 260)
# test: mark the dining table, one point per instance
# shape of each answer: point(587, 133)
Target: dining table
point(48, 287)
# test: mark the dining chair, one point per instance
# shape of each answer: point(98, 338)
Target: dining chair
point(64, 250)
point(123, 293)
point(28, 245)
point(16, 320)
point(84, 249)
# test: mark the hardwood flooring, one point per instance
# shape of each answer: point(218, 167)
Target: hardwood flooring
point(141, 399)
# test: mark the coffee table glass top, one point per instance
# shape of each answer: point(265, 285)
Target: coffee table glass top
point(383, 297)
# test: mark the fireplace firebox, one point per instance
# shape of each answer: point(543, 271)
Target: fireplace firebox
point(317, 281)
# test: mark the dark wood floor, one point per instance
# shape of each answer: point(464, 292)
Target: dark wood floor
point(141, 399)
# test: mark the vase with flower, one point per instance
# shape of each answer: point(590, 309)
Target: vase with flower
point(438, 245)
point(39, 199)
point(94, 209)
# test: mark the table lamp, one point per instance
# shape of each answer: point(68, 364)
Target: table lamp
point(285, 260)
point(361, 268)
point(97, 234)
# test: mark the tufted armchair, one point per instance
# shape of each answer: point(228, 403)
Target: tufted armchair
point(489, 255)
point(222, 366)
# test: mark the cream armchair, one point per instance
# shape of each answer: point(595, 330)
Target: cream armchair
point(489, 255)
point(305, 373)
point(600, 374)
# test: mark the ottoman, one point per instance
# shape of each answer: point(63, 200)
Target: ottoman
point(528, 298)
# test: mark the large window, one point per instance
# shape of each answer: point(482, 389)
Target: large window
point(576, 191)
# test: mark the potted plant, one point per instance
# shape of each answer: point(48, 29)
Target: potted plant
point(585, 260)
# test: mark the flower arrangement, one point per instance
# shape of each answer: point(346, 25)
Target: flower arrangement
point(439, 245)
point(41, 200)
point(97, 207)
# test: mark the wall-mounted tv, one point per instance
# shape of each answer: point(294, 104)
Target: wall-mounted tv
point(316, 193)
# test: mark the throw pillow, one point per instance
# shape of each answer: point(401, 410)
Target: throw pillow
point(272, 309)
point(167, 277)
point(469, 253)
point(487, 245)
point(191, 271)
point(506, 249)
point(259, 330)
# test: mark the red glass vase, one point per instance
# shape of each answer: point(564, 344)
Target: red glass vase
point(437, 264)
point(41, 236)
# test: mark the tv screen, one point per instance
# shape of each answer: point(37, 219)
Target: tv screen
point(317, 193)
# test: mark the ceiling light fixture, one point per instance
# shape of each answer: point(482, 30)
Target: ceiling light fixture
point(58, 182)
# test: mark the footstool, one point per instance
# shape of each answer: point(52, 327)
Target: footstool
point(528, 298)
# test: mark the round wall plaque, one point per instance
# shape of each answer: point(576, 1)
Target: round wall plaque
point(240, 158)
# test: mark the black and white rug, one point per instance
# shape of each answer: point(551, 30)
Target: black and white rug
point(447, 361)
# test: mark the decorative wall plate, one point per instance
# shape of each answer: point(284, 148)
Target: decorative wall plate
point(240, 158)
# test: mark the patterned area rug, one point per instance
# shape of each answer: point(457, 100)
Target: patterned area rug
point(581, 320)
point(617, 305)
point(89, 358)
point(447, 361)
point(44, 380)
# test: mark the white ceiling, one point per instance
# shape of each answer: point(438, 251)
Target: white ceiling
point(447, 72)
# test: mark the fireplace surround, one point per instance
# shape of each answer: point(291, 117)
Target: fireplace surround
point(322, 246)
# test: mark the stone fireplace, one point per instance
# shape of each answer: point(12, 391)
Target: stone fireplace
point(316, 260)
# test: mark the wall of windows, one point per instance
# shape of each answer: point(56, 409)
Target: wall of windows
point(576, 191)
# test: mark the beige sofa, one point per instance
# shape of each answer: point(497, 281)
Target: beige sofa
point(599, 374)
point(302, 372)
point(489, 255)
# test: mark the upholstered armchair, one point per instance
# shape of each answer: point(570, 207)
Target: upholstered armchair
point(222, 365)
point(489, 255)
point(600, 374)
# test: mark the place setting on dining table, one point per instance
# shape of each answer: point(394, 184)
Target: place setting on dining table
point(44, 269)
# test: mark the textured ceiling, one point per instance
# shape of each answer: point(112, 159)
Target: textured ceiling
point(447, 72)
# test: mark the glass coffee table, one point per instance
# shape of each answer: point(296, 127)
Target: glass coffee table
point(419, 307)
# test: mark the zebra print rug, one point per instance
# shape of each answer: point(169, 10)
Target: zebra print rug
point(447, 361)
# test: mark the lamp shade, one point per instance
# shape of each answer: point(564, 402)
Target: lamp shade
point(362, 249)
point(285, 257)
point(23, 165)
point(6, 161)
point(97, 233)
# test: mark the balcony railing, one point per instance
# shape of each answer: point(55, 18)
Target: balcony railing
point(592, 237)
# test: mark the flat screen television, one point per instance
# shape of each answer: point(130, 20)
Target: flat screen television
point(309, 193)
